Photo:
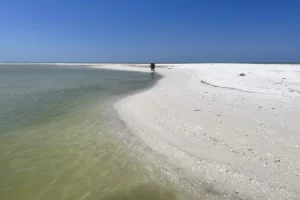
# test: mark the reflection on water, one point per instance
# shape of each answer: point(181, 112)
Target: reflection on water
point(56, 141)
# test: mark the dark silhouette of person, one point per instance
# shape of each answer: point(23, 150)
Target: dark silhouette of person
point(152, 67)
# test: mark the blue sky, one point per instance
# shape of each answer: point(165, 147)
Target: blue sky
point(144, 31)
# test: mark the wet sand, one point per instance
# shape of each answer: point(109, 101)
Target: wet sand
point(222, 135)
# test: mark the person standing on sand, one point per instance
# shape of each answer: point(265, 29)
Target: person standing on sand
point(152, 67)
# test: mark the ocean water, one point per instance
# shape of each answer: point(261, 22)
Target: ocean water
point(59, 141)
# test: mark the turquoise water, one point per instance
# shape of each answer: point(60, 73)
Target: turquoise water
point(58, 140)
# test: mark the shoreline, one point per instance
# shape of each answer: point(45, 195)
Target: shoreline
point(221, 143)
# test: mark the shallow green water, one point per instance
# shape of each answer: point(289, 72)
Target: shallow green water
point(57, 140)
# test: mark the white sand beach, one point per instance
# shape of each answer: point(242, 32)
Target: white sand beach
point(219, 132)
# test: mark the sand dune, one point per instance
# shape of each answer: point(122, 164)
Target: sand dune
point(221, 134)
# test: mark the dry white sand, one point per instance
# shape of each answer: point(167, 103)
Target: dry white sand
point(222, 133)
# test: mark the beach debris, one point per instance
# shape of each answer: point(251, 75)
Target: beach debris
point(277, 160)
point(169, 67)
point(197, 110)
point(250, 149)
point(242, 74)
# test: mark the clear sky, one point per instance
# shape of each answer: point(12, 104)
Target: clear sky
point(144, 31)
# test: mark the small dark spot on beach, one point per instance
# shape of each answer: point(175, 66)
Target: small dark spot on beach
point(277, 160)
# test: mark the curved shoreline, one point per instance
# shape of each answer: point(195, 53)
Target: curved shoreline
point(220, 144)
point(155, 152)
